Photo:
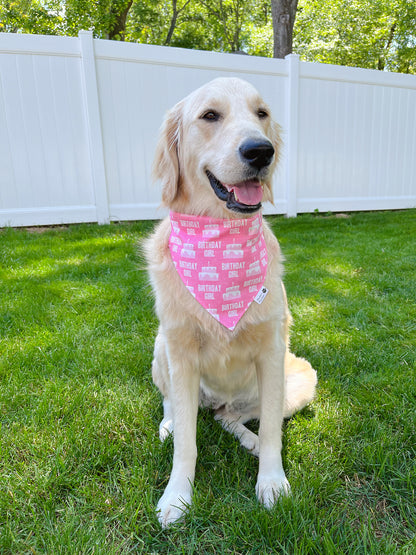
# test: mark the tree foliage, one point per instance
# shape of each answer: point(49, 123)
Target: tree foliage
point(31, 16)
point(363, 33)
point(221, 25)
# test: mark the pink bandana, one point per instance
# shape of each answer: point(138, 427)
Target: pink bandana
point(222, 263)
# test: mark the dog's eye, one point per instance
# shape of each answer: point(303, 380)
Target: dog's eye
point(262, 114)
point(210, 115)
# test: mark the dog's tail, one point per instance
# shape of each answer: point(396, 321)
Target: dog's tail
point(300, 384)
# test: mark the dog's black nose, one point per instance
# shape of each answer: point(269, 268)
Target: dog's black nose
point(257, 152)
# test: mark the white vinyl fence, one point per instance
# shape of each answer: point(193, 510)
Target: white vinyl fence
point(79, 119)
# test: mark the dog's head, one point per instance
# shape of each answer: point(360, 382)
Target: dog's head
point(217, 151)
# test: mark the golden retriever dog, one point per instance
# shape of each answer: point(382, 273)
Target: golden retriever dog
point(215, 158)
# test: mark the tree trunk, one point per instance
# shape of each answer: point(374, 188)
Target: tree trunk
point(172, 23)
point(283, 14)
point(118, 30)
point(175, 14)
point(382, 59)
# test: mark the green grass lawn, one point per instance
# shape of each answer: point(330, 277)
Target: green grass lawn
point(81, 466)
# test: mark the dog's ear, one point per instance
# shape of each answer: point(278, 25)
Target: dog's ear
point(166, 162)
point(275, 138)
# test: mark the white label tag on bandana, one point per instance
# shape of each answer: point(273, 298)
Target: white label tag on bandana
point(261, 295)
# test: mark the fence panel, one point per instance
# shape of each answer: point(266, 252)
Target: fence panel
point(45, 174)
point(356, 139)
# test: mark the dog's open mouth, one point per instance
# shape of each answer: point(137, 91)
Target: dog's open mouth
point(245, 196)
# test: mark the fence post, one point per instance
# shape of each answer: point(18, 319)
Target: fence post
point(90, 91)
point(293, 64)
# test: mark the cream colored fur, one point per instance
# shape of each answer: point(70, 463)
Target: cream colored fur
point(244, 374)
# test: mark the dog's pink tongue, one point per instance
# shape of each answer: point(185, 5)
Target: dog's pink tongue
point(248, 192)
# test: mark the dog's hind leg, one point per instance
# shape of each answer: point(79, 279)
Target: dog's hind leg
point(234, 422)
point(160, 374)
point(166, 425)
point(300, 384)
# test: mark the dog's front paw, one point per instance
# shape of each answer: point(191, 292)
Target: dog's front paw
point(173, 505)
point(270, 488)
